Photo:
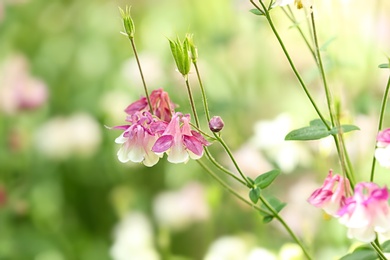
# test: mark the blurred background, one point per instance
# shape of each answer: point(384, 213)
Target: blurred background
point(66, 72)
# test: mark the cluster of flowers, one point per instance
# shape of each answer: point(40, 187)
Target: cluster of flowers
point(151, 133)
point(364, 212)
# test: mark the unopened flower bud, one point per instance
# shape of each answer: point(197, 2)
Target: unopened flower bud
point(181, 54)
point(216, 124)
point(127, 22)
point(193, 49)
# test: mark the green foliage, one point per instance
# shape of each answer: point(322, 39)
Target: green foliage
point(256, 12)
point(265, 179)
point(317, 130)
point(276, 204)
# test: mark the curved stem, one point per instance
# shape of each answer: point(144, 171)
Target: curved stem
point(220, 167)
point(281, 220)
point(380, 124)
point(227, 187)
point(141, 73)
point(298, 76)
point(224, 145)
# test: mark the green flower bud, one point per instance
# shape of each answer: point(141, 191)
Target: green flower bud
point(127, 22)
point(193, 49)
point(180, 52)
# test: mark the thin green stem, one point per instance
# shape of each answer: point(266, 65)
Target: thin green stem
point(378, 250)
point(220, 167)
point(204, 98)
point(281, 220)
point(141, 73)
point(322, 70)
point(224, 145)
point(339, 140)
point(192, 103)
point(292, 65)
point(293, 19)
point(380, 124)
point(231, 190)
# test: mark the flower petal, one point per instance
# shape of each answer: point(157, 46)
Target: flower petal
point(163, 143)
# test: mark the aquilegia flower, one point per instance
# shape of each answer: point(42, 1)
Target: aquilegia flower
point(331, 196)
point(366, 212)
point(138, 139)
point(382, 152)
point(179, 141)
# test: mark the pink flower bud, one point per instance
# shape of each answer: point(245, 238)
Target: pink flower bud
point(216, 124)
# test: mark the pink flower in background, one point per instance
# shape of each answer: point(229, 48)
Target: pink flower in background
point(332, 195)
point(138, 139)
point(18, 89)
point(366, 212)
point(382, 152)
point(161, 104)
point(180, 142)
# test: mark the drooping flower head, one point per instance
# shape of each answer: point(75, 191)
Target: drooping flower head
point(161, 104)
point(138, 139)
point(332, 195)
point(179, 141)
point(382, 152)
point(366, 212)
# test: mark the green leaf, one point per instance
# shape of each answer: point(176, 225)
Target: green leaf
point(276, 204)
point(344, 129)
point(363, 252)
point(386, 246)
point(256, 12)
point(384, 66)
point(327, 43)
point(254, 194)
point(264, 180)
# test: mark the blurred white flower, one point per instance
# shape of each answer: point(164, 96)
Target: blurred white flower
point(133, 239)
point(261, 253)
point(178, 209)
point(61, 137)
point(227, 248)
point(114, 102)
point(291, 251)
point(150, 66)
point(18, 89)
point(269, 138)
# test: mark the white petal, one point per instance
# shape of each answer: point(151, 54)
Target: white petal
point(177, 154)
point(121, 139)
point(123, 155)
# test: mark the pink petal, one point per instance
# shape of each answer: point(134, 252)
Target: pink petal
point(193, 144)
point(162, 144)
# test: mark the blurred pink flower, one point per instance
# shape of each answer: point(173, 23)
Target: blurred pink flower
point(366, 212)
point(180, 142)
point(383, 138)
point(138, 139)
point(332, 195)
point(18, 89)
point(382, 152)
point(178, 209)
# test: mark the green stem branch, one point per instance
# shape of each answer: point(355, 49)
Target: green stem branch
point(141, 73)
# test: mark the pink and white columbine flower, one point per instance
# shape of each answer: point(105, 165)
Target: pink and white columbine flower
point(382, 152)
point(331, 196)
point(179, 141)
point(161, 104)
point(366, 212)
point(138, 139)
